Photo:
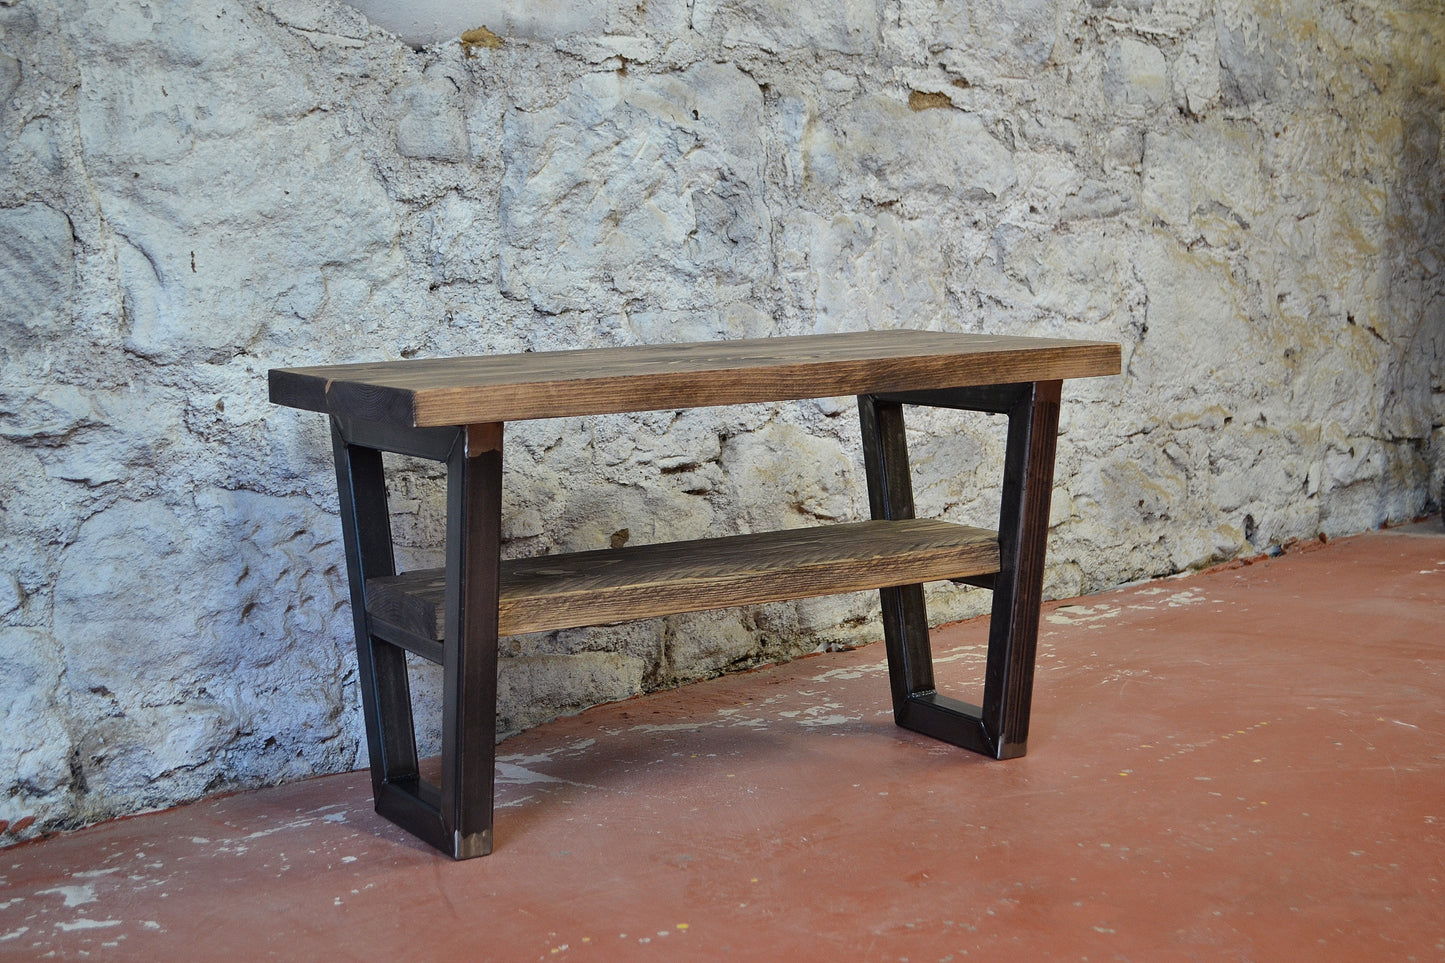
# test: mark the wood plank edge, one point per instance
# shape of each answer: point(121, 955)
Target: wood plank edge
point(294, 390)
point(382, 404)
point(435, 407)
point(410, 601)
point(520, 615)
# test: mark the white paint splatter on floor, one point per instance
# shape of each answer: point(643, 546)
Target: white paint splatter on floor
point(73, 895)
point(1083, 614)
point(84, 923)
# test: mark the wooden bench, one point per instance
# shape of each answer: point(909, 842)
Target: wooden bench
point(453, 410)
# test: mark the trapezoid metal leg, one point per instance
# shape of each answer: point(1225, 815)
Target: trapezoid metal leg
point(1018, 589)
point(455, 816)
point(917, 704)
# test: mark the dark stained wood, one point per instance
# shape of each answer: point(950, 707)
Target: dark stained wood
point(457, 391)
point(614, 585)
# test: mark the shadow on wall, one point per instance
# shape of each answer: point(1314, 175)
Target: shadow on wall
point(1426, 137)
point(1413, 279)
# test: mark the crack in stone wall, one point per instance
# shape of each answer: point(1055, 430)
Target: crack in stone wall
point(1249, 196)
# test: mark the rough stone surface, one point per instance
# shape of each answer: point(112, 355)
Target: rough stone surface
point(37, 273)
point(1248, 196)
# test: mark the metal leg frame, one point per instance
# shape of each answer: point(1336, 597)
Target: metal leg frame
point(1000, 727)
point(455, 816)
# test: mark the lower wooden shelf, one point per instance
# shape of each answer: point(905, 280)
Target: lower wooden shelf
point(616, 585)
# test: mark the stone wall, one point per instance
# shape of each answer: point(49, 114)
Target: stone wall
point(1246, 194)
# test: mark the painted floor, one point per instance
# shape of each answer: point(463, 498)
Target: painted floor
point(1247, 764)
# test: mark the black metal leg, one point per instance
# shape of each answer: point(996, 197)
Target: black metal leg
point(469, 726)
point(455, 816)
point(1000, 727)
point(916, 703)
point(1018, 590)
point(385, 694)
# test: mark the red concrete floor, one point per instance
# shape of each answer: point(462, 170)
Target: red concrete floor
point(1247, 764)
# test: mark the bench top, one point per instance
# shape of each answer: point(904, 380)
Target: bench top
point(436, 392)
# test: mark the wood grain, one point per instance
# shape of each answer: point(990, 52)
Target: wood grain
point(457, 391)
point(635, 582)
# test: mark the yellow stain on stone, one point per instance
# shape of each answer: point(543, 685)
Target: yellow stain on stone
point(479, 37)
point(923, 100)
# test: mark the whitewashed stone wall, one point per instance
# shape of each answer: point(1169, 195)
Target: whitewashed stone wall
point(1246, 194)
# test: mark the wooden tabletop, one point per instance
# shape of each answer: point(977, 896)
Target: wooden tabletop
point(434, 392)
